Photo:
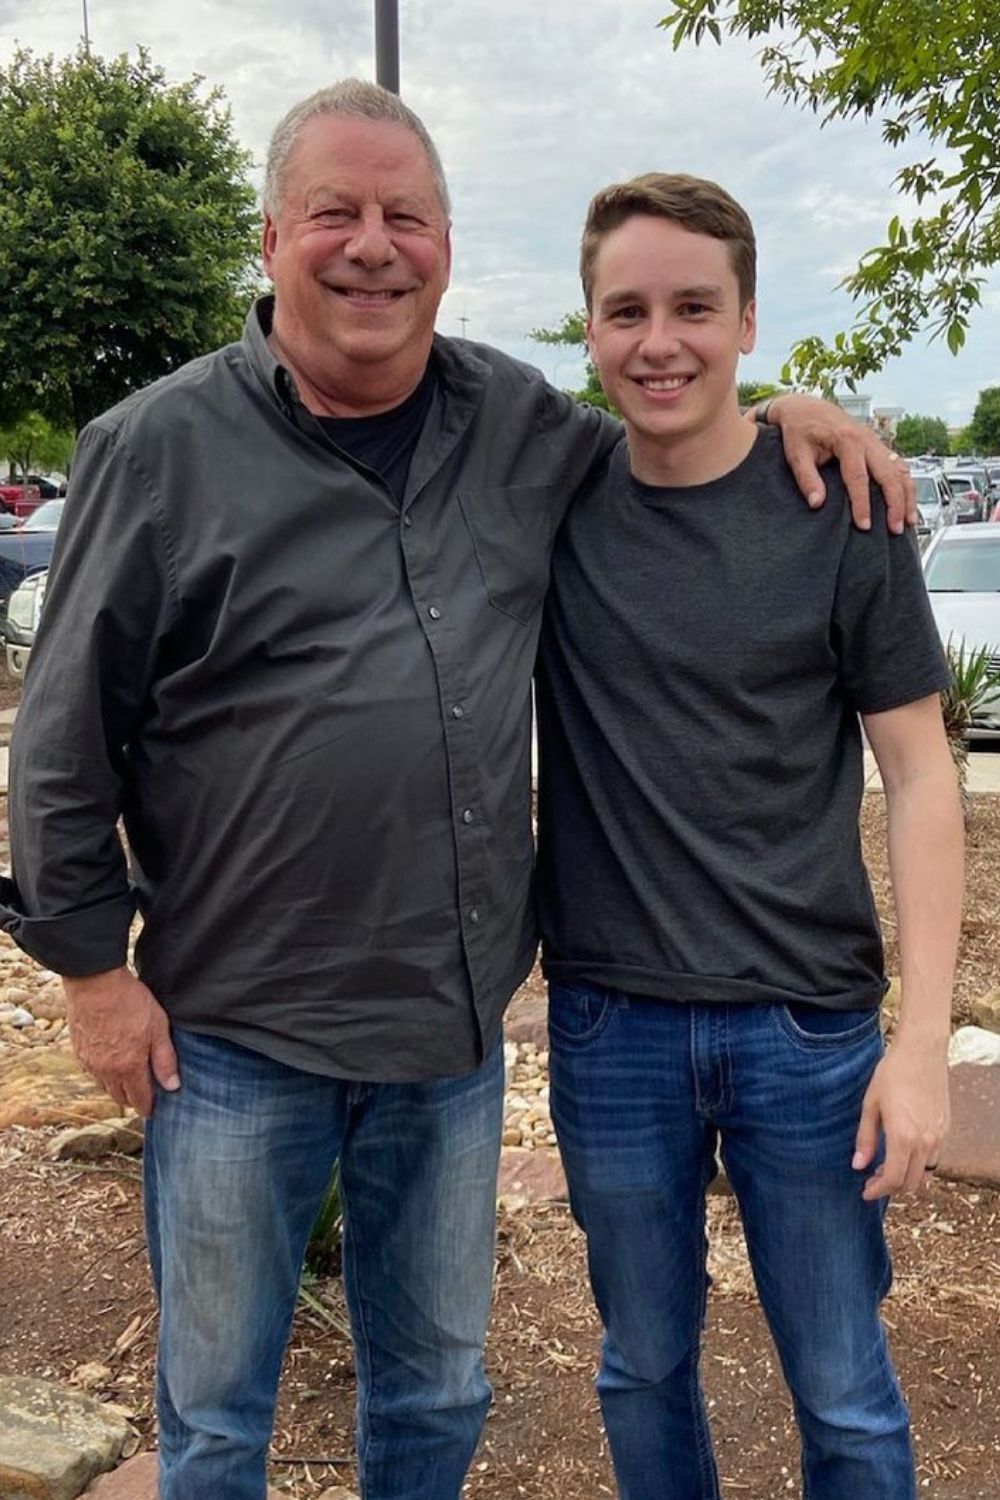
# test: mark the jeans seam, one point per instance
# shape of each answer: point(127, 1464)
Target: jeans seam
point(706, 1462)
point(361, 1336)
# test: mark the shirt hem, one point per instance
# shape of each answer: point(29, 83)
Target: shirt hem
point(663, 984)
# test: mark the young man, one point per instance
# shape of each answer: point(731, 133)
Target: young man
point(710, 937)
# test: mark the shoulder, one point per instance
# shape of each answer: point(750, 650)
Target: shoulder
point(159, 407)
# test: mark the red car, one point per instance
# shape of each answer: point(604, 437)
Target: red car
point(20, 499)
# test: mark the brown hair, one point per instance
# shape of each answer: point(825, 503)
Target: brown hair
point(693, 202)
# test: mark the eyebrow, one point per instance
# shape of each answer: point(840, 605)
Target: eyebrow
point(707, 292)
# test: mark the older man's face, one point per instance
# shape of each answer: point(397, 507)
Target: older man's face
point(359, 255)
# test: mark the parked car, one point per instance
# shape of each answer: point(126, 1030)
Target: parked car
point(970, 500)
point(45, 518)
point(962, 574)
point(24, 609)
point(20, 499)
point(23, 551)
point(935, 501)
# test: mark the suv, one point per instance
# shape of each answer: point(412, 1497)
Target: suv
point(969, 489)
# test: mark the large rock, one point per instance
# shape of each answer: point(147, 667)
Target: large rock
point(54, 1440)
point(47, 1086)
point(136, 1480)
point(974, 1044)
point(986, 1011)
point(531, 1177)
point(90, 1142)
point(972, 1151)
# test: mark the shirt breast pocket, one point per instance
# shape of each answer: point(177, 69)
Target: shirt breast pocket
point(512, 530)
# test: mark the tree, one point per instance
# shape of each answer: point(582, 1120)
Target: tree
point(127, 231)
point(749, 392)
point(930, 72)
point(984, 429)
point(34, 443)
point(572, 332)
point(922, 435)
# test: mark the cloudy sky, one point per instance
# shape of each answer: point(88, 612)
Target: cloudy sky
point(536, 103)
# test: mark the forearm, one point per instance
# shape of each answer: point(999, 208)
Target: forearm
point(926, 854)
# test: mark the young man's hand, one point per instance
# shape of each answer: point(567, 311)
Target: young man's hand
point(815, 431)
point(907, 1099)
point(121, 1035)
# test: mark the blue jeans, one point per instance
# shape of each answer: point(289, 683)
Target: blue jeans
point(641, 1092)
point(236, 1163)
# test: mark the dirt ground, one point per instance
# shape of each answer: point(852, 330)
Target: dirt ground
point(74, 1292)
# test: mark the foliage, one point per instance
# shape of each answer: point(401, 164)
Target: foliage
point(974, 680)
point(323, 1250)
point(922, 435)
point(984, 429)
point(34, 443)
point(962, 444)
point(127, 230)
point(749, 392)
point(572, 332)
point(929, 71)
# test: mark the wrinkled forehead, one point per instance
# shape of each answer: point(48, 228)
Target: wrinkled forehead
point(362, 160)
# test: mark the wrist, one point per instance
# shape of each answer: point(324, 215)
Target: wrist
point(81, 984)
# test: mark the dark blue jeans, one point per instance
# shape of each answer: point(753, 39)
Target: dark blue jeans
point(236, 1163)
point(641, 1092)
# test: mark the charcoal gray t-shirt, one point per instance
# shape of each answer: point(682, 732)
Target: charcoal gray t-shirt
point(705, 655)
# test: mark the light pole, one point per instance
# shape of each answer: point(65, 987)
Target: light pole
point(86, 30)
point(387, 44)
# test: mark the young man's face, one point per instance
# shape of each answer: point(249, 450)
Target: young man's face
point(666, 330)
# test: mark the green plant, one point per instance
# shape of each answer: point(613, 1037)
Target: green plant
point(323, 1250)
point(974, 681)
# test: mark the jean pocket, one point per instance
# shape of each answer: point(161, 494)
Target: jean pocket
point(818, 1026)
point(578, 1012)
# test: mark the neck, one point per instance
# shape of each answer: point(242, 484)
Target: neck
point(694, 458)
point(356, 390)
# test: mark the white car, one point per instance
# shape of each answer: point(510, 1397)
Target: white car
point(962, 574)
point(24, 609)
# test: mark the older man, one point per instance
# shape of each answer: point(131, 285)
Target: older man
point(306, 687)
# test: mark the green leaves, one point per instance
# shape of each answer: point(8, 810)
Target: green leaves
point(932, 69)
point(128, 230)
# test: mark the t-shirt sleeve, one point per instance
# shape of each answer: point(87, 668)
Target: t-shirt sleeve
point(886, 640)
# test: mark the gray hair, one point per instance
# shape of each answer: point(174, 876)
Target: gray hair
point(357, 100)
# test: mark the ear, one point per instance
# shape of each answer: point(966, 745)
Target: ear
point(447, 256)
point(591, 342)
point(268, 242)
point(748, 331)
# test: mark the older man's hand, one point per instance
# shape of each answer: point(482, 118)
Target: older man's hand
point(815, 431)
point(121, 1035)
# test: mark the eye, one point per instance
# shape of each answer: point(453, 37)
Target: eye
point(630, 313)
point(405, 220)
point(694, 309)
point(332, 216)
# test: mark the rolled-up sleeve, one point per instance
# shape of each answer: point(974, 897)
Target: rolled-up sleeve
point(110, 601)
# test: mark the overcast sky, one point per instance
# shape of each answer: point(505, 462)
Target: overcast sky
point(536, 103)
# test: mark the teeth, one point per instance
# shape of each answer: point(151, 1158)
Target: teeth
point(370, 296)
point(673, 383)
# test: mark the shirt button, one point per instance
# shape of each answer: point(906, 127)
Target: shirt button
point(457, 711)
point(434, 612)
point(468, 816)
point(474, 915)
point(407, 521)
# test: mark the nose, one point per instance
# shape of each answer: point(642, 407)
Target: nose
point(660, 340)
point(371, 244)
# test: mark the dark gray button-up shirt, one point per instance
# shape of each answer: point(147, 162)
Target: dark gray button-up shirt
point(311, 707)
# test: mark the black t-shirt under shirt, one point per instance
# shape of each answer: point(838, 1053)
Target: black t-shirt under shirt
point(385, 442)
point(705, 654)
